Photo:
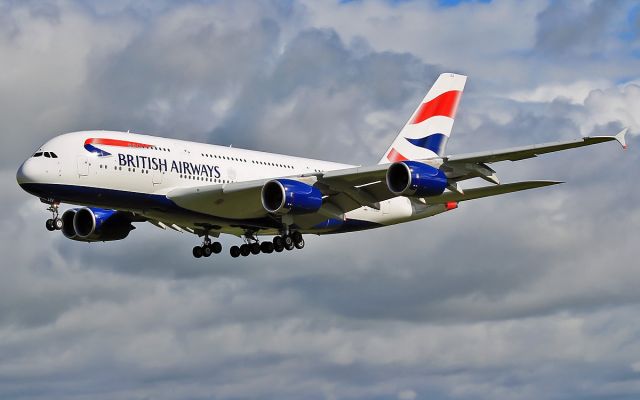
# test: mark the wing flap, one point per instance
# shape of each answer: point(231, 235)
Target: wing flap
point(487, 191)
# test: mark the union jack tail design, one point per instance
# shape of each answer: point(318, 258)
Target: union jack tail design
point(426, 133)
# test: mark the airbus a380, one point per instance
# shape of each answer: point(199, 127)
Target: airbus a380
point(119, 178)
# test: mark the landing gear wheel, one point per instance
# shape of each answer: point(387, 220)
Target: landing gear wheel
point(57, 223)
point(288, 243)
point(296, 236)
point(206, 250)
point(278, 244)
point(245, 250)
point(299, 244)
point(197, 252)
point(216, 247)
point(234, 251)
point(49, 225)
point(266, 247)
point(255, 248)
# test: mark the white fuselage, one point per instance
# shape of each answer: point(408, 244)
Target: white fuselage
point(132, 172)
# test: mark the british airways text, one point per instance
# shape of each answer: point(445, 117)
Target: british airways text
point(162, 164)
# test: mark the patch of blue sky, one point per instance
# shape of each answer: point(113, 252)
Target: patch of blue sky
point(441, 3)
point(453, 3)
point(631, 31)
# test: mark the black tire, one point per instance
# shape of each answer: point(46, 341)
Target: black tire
point(197, 252)
point(234, 251)
point(49, 225)
point(288, 243)
point(288, 240)
point(207, 250)
point(57, 223)
point(216, 247)
point(245, 250)
point(299, 244)
point(255, 248)
point(296, 236)
point(266, 247)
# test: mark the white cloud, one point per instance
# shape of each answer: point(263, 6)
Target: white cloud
point(575, 92)
point(407, 395)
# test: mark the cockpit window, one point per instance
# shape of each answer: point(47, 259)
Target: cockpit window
point(47, 155)
point(53, 155)
point(38, 154)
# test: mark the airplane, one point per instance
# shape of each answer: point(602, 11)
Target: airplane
point(119, 178)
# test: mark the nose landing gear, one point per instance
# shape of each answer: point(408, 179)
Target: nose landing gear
point(54, 223)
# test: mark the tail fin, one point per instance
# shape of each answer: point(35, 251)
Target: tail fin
point(426, 133)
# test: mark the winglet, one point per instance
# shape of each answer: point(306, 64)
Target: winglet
point(620, 137)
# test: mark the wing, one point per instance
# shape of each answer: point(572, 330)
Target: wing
point(348, 189)
point(466, 166)
point(343, 190)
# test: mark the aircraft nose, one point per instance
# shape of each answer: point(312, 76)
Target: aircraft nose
point(26, 172)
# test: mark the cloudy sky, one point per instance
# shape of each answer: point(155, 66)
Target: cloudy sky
point(527, 296)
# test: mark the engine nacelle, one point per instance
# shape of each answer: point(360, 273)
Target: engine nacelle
point(95, 225)
point(415, 179)
point(67, 224)
point(283, 196)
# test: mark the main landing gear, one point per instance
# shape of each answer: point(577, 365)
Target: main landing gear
point(208, 247)
point(54, 223)
point(278, 244)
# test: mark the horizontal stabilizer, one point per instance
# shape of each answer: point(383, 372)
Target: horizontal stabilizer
point(477, 193)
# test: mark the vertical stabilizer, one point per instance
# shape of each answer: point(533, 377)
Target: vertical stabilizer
point(426, 133)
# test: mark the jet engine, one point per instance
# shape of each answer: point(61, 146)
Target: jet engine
point(283, 196)
point(415, 179)
point(95, 225)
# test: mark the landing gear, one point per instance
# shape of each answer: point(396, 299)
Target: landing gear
point(207, 248)
point(288, 243)
point(54, 223)
point(197, 252)
point(266, 247)
point(255, 248)
point(278, 245)
point(234, 251)
point(245, 250)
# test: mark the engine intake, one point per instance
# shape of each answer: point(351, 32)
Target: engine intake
point(283, 196)
point(95, 225)
point(67, 224)
point(415, 179)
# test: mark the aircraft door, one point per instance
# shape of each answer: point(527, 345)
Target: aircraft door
point(156, 177)
point(83, 166)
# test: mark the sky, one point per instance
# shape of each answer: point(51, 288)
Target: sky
point(524, 296)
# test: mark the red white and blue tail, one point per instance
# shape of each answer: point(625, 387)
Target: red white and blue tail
point(426, 133)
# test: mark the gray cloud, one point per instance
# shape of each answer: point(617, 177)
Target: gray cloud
point(513, 297)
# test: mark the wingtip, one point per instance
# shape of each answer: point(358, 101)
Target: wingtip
point(620, 137)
